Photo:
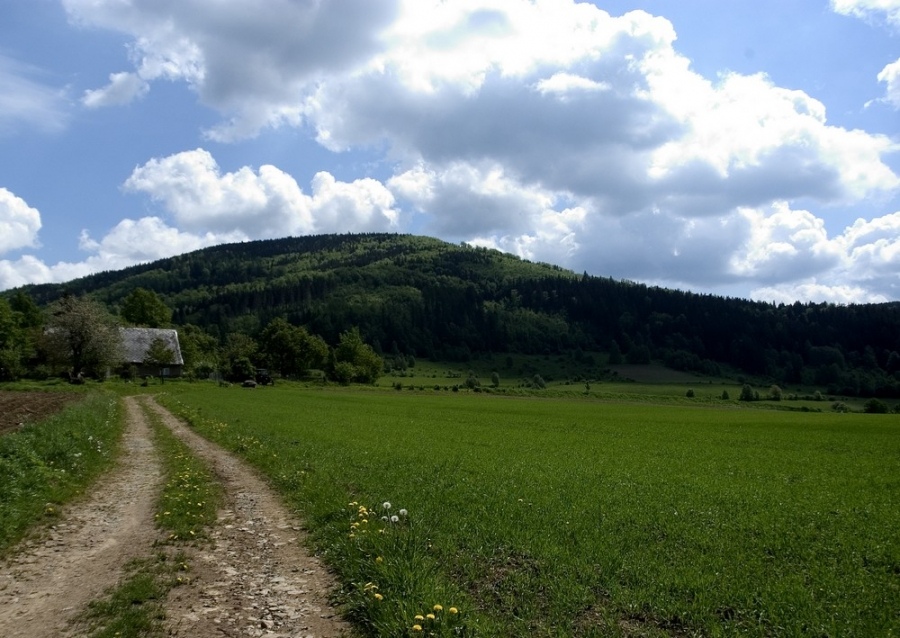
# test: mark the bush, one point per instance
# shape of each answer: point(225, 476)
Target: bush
point(874, 406)
point(839, 406)
point(689, 394)
point(725, 396)
point(746, 393)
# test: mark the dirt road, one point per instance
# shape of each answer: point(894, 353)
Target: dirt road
point(253, 579)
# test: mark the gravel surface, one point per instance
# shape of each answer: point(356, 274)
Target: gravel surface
point(254, 578)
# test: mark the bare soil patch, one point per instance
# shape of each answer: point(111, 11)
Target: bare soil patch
point(18, 408)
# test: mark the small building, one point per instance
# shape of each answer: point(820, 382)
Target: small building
point(136, 343)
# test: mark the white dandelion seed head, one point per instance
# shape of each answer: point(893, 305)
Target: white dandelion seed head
point(386, 505)
point(384, 518)
point(395, 519)
point(403, 512)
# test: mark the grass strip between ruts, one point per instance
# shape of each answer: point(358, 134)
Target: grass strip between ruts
point(185, 510)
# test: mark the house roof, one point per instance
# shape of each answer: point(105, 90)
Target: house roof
point(136, 342)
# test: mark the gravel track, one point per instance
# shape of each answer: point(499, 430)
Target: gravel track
point(253, 579)
point(51, 577)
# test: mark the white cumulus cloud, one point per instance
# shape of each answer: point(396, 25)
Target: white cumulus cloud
point(19, 222)
point(260, 204)
point(890, 75)
point(870, 9)
point(254, 64)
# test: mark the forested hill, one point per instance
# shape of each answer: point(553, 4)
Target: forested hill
point(451, 301)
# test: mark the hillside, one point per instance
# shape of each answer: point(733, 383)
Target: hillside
point(448, 301)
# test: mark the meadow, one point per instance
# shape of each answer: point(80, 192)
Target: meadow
point(48, 462)
point(579, 516)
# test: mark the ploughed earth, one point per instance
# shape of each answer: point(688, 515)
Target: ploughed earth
point(18, 408)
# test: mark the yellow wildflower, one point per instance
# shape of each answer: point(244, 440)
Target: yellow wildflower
point(417, 627)
point(430, 616)
point(453, 610)
point(379, 597)
point(438, 608)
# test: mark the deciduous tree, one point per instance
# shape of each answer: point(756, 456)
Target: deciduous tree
point(145, 308)
point(83, 335)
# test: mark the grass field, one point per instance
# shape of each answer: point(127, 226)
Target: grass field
point(48, 462)
point(555, 517)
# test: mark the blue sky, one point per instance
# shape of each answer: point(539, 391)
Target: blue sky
point(748, 149)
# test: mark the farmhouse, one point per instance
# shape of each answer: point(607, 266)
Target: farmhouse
point(136, 344)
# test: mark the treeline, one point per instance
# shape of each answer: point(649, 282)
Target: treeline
point(453, 302)
point(79, 337)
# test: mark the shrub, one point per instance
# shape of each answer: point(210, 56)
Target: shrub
point(689, 394)
point(746, 393)
point(875, 406)
point(725, 396)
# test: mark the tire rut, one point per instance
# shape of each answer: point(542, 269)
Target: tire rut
point(255, 578)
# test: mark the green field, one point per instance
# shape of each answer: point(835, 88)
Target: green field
point(581, 517)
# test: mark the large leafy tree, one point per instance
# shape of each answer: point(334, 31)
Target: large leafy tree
point(199, 349)
point(291, 349)
point(238, 355)
point(354, 360)
point(81, 334)
point(145, 308)
point(11, 344)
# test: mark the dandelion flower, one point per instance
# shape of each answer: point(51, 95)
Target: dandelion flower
point(379, 559)
point(429, 616)
point(417, 627)
point(379, 597)
point(386, 505)
point(453, 610)
point(395, 519)
point(420, 617)
point(438, 608)
point(403, 512)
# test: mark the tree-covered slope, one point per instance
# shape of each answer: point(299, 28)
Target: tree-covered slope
point(451, 301)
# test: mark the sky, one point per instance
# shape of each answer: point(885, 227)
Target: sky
point(746, 149)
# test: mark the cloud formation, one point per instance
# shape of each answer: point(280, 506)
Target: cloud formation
point(551, 129)
point(252, 65)
point(19, 222)
point(889, 10)
point(27, 103)
point(260, 204)
point(876, 11)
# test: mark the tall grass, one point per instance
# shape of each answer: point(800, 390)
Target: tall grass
point(582, 518)
point(45, 464)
